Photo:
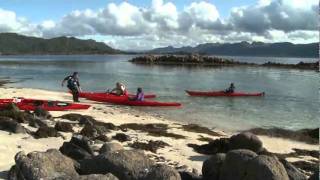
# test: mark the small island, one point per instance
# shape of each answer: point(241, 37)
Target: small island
point(199, 60)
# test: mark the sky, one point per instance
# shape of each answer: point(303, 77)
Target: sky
point(143, 24)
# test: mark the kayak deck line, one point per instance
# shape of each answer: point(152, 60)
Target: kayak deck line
point(33, 104)
point(224, 94)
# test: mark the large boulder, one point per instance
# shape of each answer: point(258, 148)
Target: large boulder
point(125, 164)
point(246, 140)
point(234, 166)
point(163, 172)
point(293, 172)
point(43, 165)
point(265, 167)
point(110, 147)
point(10, 125)
point(63, 126)
point(211, 167)
point(78, 148)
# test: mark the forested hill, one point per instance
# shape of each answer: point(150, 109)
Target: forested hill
point(14, 44)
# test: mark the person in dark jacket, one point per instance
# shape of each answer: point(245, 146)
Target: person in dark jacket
point(73, 85)
point(230, 89)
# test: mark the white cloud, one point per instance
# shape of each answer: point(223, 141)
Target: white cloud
point(127, 26)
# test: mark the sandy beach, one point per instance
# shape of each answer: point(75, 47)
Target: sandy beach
point(178, 153)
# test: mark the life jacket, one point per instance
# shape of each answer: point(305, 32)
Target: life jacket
point(72, 82)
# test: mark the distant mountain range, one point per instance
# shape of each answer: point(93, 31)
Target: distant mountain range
point(14, 44)
point(283, 49)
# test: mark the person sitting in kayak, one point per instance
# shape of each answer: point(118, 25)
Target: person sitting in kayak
point(119, 90)
point(73, 85)
point(230, 89)
point(139, 96)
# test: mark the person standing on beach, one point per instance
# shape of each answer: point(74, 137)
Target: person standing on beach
point(73, 85)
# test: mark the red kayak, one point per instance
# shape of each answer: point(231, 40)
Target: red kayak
point(124, 100)
point(103, 94)
point(222, 93)
point(32, 104)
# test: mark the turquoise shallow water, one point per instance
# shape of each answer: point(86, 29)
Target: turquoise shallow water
point(291, 101)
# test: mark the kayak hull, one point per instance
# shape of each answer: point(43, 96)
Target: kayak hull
point(124, 100)
point(222, 93)
point(33, 104)
point(103, 94)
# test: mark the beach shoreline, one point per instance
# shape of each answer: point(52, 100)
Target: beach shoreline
point(177, 154)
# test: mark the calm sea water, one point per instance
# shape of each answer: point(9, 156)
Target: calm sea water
point(291, 101)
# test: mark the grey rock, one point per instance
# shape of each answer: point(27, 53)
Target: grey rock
point(78, 148)
point(63, 126)
point(265, 167)
point(211, 167)
point(121, 137)
point(163, 172)
point(108, 176)
point(125, 164)
point(234, 166)
point(189, 176)
point(45, 132)
point(43, 165)
point(10, 125)
point(314, 176)
point(245, 140)
point(42, 114)
point(293, 172)
point(110, 147)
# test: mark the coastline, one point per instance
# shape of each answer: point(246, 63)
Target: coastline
point(176, 154)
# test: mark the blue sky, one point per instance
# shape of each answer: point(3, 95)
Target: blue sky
point(140, 24)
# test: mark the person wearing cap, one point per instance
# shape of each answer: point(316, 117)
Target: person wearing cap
point(73, 85)
point(119, 90)
point(230, 89)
